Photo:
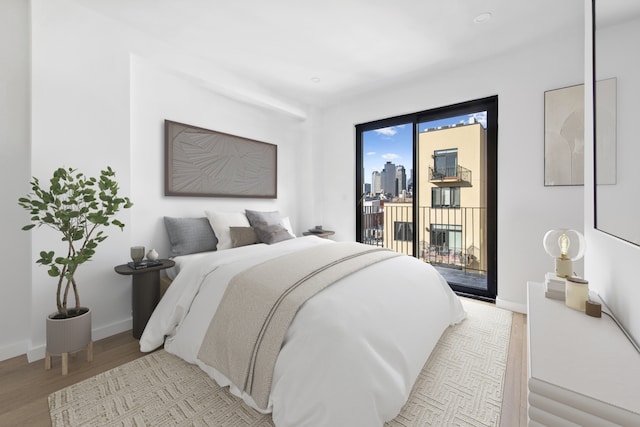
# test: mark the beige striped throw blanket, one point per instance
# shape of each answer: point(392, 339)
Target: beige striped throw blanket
point(247, 331)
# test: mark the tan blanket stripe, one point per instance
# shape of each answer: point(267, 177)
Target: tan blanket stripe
point(248, 386)
point(247, 331)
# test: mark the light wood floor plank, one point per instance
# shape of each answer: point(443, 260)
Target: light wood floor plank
point(511, 402)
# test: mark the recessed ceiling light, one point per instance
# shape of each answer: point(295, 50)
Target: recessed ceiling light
point(315, 79)
point(483, 17)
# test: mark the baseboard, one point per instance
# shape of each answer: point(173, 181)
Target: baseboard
point(38, 352)
point(13, 350)
point(512, 306)
point(112, 329)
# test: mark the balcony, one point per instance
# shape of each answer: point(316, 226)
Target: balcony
point(452, 240)
point(455, 175)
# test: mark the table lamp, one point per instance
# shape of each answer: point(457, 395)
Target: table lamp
point(565, 246)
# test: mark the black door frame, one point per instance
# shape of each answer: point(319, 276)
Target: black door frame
point(488, 104)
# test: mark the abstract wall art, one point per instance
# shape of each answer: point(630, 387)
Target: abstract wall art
point(202, 162)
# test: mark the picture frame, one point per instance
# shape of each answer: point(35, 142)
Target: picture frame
point(564, 136)
point(206, 163)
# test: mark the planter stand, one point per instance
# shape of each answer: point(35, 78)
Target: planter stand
point(68, 336)
point(65, 359)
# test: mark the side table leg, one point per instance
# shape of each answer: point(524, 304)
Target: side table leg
point(47, 361)
point(144, 298)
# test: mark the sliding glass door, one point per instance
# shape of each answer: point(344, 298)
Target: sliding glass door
point(444, 210)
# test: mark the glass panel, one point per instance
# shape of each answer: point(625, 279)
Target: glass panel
point(445, 162)
point(447, 197)
point(387, 201)
point(452, 228)
point(440, 165)
point(388, 161)
point(435, 197)
point(456, 197)
point(403, 231)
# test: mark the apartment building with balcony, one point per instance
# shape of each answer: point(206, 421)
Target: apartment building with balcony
point(451, 198)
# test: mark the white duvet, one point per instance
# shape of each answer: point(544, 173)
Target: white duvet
point(352, 353)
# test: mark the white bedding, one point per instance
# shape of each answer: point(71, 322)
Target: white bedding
point(352, 353)
point(172, 272)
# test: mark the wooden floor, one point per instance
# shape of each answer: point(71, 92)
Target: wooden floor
point(514, 400)
point(25, 386)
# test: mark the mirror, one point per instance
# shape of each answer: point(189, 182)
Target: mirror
point(617, 144)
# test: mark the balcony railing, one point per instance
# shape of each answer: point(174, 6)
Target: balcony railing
point(372, 225)
point(446, 237)
point(454, 174)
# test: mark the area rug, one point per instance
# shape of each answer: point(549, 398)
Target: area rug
point(461, 384)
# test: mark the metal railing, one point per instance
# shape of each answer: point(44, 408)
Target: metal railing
point(446, 236)
point(456, 173)
point(372, 225)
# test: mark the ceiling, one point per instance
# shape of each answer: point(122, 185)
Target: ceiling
point(318, 52)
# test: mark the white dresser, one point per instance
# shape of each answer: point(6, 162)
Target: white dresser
point(582, 370)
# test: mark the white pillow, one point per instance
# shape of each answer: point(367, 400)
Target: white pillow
point(221, 221)
point(286, 223)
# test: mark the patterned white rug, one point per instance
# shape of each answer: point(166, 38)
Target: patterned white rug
point(461, 384)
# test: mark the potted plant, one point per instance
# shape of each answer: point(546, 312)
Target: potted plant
point(78, 207)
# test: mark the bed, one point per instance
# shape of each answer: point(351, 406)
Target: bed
point(350, 354)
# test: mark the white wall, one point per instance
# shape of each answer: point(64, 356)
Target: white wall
point(80, 119)
point(611, 264)
point(97, 101)
point(14, 174)
point(526, 209)
point(185, 101)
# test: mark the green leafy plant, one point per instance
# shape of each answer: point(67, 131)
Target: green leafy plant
point(77, 206)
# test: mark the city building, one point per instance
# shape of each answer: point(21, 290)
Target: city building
point(376, 182)
point(401, 180)
point(451, 201)
point(388, 179)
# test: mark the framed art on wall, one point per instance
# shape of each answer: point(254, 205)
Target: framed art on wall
point(203, 162)
point(564, 136)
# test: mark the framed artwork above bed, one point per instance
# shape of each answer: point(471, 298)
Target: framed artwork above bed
point(207, 163)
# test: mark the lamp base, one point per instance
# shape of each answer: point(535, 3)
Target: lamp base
point(564, 267)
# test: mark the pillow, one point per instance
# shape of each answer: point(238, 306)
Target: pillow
point(286, 223)
point(189, 235)
point(258, 218)
point(221, 221)
point(272, 233)
point(242, 236)
point(269, 218)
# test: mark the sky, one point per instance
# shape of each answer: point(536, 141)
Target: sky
point(394, 144)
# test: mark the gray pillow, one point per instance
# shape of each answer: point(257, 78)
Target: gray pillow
point(272, 233)
point(242, 236)
point(190, 235)
point(257, 217)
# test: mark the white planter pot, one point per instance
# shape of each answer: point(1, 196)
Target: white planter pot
point(68, 335)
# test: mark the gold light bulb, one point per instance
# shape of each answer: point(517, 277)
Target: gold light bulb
point(564, 243)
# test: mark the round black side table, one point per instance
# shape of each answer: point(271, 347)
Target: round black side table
point(145, 292)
